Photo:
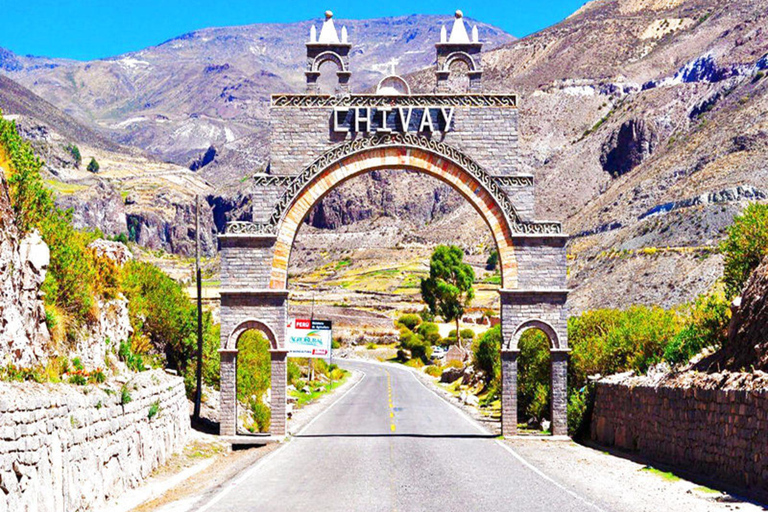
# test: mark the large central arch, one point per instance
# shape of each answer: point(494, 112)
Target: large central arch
point(401, 156)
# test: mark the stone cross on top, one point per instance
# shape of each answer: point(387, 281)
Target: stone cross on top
point(330, 47)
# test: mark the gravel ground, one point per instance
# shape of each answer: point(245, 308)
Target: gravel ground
point(227, 464)
point(618, 483)
point(613, 480)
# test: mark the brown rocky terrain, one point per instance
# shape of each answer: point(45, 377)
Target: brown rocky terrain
point(747, 347)
point(24, 337)
point(643, 122)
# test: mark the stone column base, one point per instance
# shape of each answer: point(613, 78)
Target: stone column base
point(509, 392)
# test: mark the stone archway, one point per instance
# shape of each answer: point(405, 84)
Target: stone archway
point(270, 247)
point(469, 141)
point(558, 372)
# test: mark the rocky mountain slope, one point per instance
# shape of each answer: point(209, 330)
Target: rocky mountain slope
point(132, 193)
point(644, 122)
point(211, 87)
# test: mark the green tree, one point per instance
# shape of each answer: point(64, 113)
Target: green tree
point(159, 309)
point(745, 247)
point(93, 166)
point(493, 260)
point(448, 289)
point(75, 152)
point(485, 353)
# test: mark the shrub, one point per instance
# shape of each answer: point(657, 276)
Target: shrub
point(467, 334)
point(133, 361)
point(430, 332)
point(70, 275)
point(93, 166)
point(294, 373)
point(426, 315)
point(154, 409)
point(97, 376)
point(261, 414)
point(433, 370)
point(254, 365)
point(609, 341)
point(409, 320)
point(533, 375)
point(125, 395)
point(75, 152)
point(485, 353)
point(706, 327)
point(493, 260)
point(78, 379)
point(744, 247)
point(580, 404)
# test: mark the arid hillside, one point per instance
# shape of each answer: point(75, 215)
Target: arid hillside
point(643, 121)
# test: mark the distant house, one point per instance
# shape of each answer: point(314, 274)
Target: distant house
point(455, 353)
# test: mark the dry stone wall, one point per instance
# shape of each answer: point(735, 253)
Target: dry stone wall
point(65, 448)
point(709, 427)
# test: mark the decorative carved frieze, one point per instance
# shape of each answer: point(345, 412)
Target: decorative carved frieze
point(514, 181)
point(405, 140)
point(267, 180)
point(250, 228)
point(412, 100)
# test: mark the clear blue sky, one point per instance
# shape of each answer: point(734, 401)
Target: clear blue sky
point(89, 29)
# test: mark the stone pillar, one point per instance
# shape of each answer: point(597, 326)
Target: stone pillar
point(559, 358)
point(509, 392)
point(228, 400)
point(279, 390)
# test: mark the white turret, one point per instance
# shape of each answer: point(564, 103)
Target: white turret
point(443, 34)
point(459, 31)
point(344, 35)
point(475, 38)
point(313, 34)
point(328, 34)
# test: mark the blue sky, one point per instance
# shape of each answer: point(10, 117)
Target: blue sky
point(89, 29)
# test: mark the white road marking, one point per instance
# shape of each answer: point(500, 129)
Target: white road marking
point(508, 448)
point(268, 457)
point(331, 406)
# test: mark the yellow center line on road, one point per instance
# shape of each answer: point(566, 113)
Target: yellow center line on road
point(391, 405)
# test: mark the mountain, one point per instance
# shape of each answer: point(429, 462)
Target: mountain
point(211, 87)
point(643, 121)
point(134, 193)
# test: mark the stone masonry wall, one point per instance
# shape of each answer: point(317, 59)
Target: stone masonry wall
point(717, 433)
point(487, 134)
point(65, 448)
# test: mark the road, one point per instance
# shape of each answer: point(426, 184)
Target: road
point(391, 444)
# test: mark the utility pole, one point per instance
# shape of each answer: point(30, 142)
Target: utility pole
point(311, 362)
point(198, 277)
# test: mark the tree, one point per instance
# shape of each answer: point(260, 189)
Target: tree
point(493, 260)
point(75, 152)
point(93, 166)
point(745, 247)
point(448, 289)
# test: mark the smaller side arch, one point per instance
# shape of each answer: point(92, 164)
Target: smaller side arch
point(247, 325)
point(460, 56)
point(535, 323)
point(328, 57)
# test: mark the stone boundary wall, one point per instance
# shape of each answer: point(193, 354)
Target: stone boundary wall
point(720, 434)
point(67, 448)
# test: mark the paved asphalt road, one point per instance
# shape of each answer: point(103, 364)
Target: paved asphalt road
point(391, 444)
